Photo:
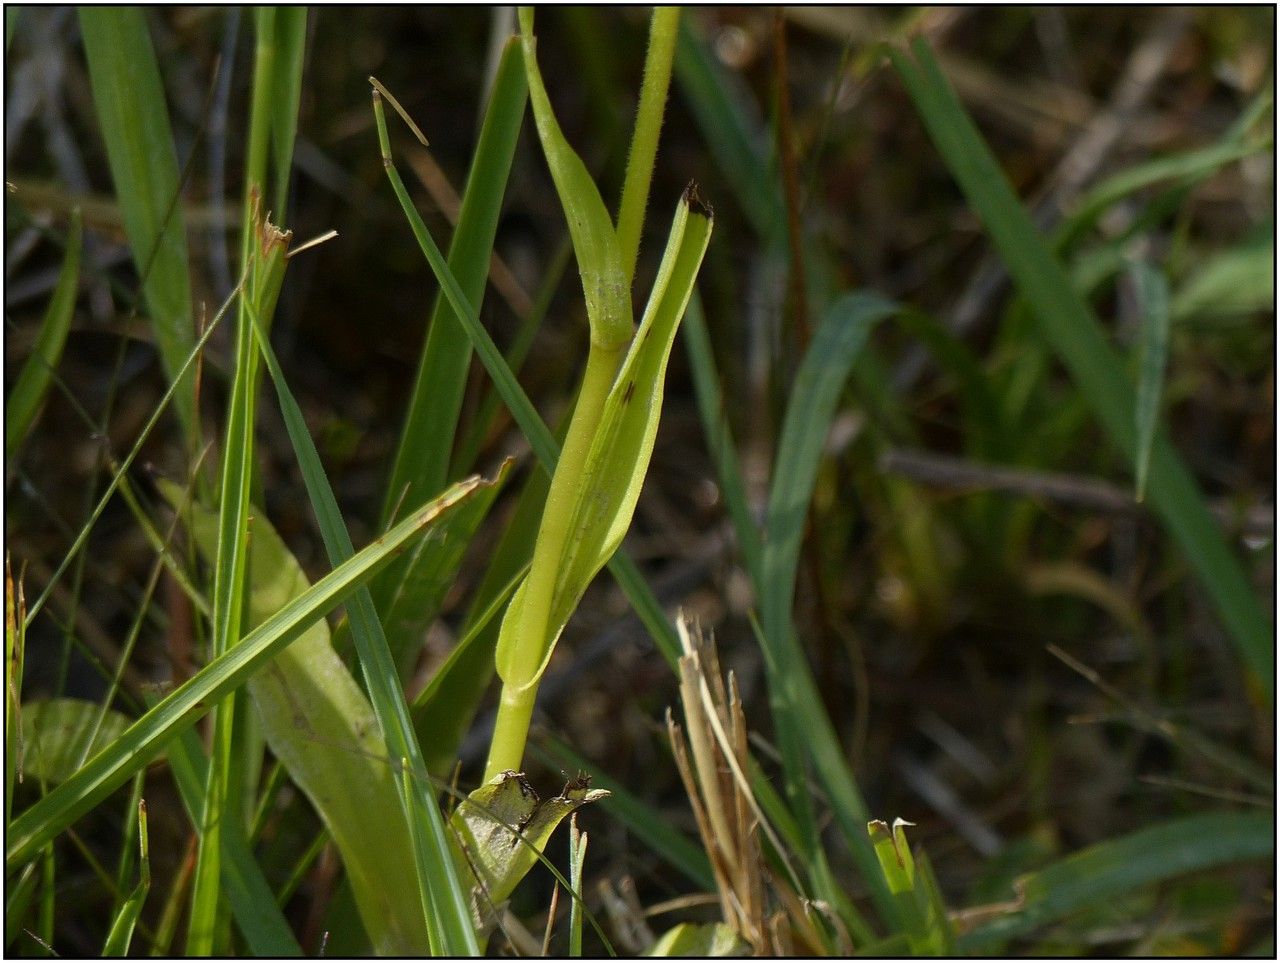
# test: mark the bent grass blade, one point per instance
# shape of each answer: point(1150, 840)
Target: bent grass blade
point(147, 737)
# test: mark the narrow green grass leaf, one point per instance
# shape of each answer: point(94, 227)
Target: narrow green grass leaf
point(322, 729)
point(804, 730)
point(265, 276)
point(134, 120)
point(926, 928)
point(28, 390)
point(535, 431)
point(253, 905)
point(644, 139)
point(1151, 292)
point(286, 92)
point(121, 933)
point(447, 916)
point(1076, 336)
point(149, 735)
point(421, 464)
point(19, 894)
point(1189, 167)
point(605, 285)
point(1111, 869)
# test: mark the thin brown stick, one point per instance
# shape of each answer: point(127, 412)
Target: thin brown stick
point(945, 471)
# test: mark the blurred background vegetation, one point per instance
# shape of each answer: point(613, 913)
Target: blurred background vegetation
point(1016, 655)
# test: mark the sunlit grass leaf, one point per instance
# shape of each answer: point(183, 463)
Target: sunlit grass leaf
point(409, 604)
point(148, 736)
point(1069, 326)
point(1151, 291)
point(448, 922)
point(924, 920)
point(290, 39)
point(231, 773)
point(133, 119)
point(605, 285)
point(1109, 869)
point(321, 727)
point(698, 940)
point(58, 733)
point(28, 391)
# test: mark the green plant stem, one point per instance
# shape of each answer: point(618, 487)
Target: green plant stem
point(644, 141)
point(520, 690)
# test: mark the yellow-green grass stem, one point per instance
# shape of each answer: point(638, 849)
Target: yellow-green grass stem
point(520, 684)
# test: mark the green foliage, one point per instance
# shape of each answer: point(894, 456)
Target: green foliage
point(59, 734)
point(322, 729)
point(1109, 869)
point(1067, 324)
point(32, 383)
point(133, 117)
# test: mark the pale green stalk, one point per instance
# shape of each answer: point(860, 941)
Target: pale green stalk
point(518, 694)
point(644, 141)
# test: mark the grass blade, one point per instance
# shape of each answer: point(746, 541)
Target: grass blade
point(1151, 291)
point(1110, 869)
point(33, 381)
point(605, 284)
point(1076, 336)
point(422, 460)
point(121, 933)
point(253, 905)
point(310, 708)
point(286, 92)
point(804, 731)
point(148, 736)
point(445, 909)
point(133, 116)
point(266, 275)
